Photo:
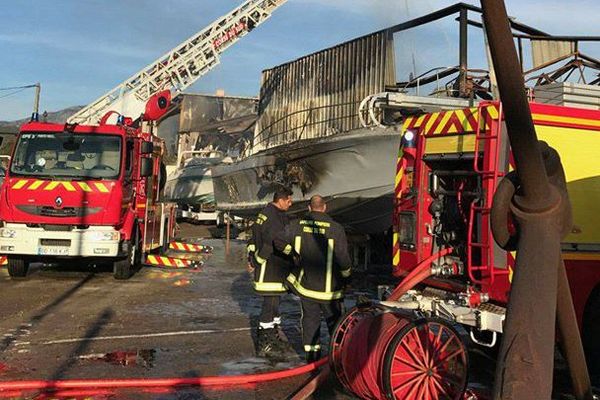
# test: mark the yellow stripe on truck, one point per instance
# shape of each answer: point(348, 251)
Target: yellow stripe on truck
point(101, 187)
point(35, 185)
point(84, 186)
point(69, 186)
point(52, 185)
point(20, 184)
point(450, 144)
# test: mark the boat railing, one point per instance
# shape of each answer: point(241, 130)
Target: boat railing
point(187, 155)
point(300, 125)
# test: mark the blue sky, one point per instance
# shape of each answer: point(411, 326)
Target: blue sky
point(79, 49)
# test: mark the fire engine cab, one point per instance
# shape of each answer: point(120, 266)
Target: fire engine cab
point(87, 192)
point(448, 169)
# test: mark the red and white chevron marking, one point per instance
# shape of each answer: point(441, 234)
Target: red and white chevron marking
point(189, 247)
point(171, 262)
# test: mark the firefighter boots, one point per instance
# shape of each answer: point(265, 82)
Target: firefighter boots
point(269, 344)
point(312, 356)
point(283, 345)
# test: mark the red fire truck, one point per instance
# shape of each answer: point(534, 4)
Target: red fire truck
point(448, 169)
point(89, 192)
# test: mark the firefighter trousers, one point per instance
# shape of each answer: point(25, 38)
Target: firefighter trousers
point(269, 315)
point(311, 321)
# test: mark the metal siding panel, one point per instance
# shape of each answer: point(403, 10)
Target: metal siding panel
point(331, 82)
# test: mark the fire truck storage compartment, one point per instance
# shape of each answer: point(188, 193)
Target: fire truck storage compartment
point(452, 185)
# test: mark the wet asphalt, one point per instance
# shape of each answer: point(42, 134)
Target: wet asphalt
point(77, 322)
point(71, 322)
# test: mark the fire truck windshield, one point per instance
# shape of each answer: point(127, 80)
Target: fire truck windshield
point(66, 155)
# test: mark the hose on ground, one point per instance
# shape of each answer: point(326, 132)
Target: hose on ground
point(50, 385)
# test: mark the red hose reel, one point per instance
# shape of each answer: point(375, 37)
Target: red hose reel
point(379, 354)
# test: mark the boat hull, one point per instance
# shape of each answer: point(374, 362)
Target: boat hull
point(354, 171)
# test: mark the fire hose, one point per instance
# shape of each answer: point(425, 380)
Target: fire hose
point(361, 366)
point(377, 354)
point(421, 272)
point(203, 381)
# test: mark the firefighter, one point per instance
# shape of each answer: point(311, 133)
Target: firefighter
point(322, 267)
point(270, 269)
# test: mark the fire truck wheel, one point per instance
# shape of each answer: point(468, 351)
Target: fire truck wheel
point(17, 267)
point(591, 332)
point(122, 268)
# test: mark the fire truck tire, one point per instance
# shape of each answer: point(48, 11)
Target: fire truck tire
point(591, 333)
point(123, 267)
point(165, 244)
point(18, 267)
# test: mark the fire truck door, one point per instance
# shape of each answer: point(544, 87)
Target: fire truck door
point(154, 208)
point(128, 185)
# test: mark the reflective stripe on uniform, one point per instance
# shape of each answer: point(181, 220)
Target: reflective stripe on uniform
point(308, 348)
point(287, 250)
point(310, 222)
point(326, 296)
point(250, 248)
point(263, 271)
point(346, 272)
point(259, 259)
point(298, 244)
point(269, 287)
point(328, 277)
point(261, 219)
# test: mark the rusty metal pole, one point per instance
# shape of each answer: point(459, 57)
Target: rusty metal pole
point(228, 234)
point(526, 358)
point(463, 53)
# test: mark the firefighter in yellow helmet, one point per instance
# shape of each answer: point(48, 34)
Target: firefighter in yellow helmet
point(323, 265)
point(270, 268)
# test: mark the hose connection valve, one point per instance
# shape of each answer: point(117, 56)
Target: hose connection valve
point(474, 299)
point(449, 267)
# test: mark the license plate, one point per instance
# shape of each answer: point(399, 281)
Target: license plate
point(53, 251)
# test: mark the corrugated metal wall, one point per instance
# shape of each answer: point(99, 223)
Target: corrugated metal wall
point(319, 94)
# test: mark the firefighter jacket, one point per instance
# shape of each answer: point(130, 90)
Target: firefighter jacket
point(271, 266)
point(321, 253)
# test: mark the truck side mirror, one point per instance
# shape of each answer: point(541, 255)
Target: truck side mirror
point(146, 167)
point(147, 148)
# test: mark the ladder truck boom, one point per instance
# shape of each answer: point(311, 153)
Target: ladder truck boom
point(182, 66)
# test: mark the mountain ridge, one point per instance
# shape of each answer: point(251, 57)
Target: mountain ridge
point(59, 116)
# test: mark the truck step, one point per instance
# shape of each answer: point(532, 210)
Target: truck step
point(171, 262)
point(189, 247)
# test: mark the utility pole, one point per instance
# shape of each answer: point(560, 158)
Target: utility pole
point(35, 116)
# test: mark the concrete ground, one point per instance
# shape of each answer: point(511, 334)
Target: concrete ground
point(65, 323)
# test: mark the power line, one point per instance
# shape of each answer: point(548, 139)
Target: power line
point(19, 87)
point(14, 92)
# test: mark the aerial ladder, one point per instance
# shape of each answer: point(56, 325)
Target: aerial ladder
point(181, 67)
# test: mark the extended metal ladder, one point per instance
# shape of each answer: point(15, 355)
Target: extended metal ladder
point(480, 209)
point(182, 66)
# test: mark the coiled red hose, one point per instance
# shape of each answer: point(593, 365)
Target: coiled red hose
point(369, 341)
point(235, 380)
